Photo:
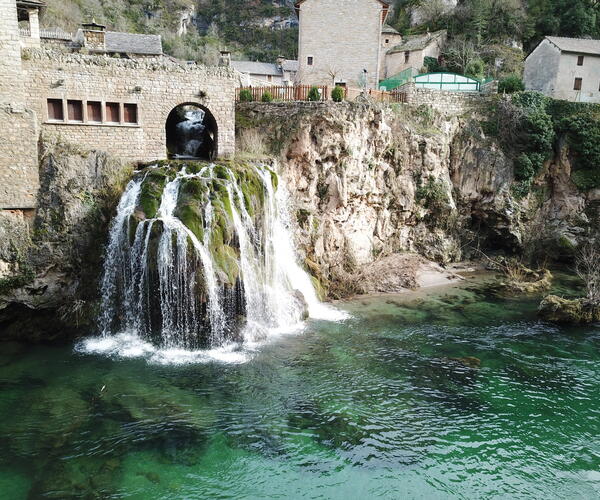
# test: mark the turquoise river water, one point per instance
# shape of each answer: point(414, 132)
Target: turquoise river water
point(458, 393)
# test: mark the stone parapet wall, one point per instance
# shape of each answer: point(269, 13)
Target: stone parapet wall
point(447, 101)
point(156, 85)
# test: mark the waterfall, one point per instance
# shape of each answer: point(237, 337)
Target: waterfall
point(190, 133)
point(202, 256)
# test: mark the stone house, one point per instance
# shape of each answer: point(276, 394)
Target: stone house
point(340, 41)
point(107, 93)
point(410, 52)
point(254, 73)
point(565, 68)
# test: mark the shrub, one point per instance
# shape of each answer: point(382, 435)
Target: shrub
point(246, 96)
point(432, 65)
point(266, 97)
point(511, 84)
point(337, 94)
point(313, 94)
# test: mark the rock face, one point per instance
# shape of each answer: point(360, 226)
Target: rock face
point(51, 263)
point(568, 312)
point(368, 182)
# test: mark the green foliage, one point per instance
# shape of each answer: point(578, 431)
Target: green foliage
point(432, 65)
point(432, 195)
point(246, 96)
point(267, 97)
point(313, 94)
point(337, 94)
point(475, 69)
point(511, 84)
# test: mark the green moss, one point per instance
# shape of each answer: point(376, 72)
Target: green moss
point(192, 217)
point(24, 278)
point(151, 192)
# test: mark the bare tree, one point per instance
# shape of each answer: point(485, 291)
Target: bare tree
point(588, 269)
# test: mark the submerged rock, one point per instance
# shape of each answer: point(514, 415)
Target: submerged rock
point(568, 312)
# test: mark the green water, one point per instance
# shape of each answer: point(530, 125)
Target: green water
point(373, 407)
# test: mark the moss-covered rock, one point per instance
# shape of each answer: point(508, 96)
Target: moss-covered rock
point(568, 312)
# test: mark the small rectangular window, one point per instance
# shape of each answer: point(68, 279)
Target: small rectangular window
point(75, 111)
point(113, 112)
point(577, 85)
point(94, 111)
point(130, 112)
point(406, 56)
point(579, 60)
point(309, 60)
point(387, 40)
point(55, 110)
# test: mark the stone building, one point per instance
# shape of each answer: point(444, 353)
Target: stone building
point(88, 97)
point(411, 51)
point(340, 41)
point(253, 73)
point(565, 68)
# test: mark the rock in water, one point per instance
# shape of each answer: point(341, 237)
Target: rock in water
point(568, 312)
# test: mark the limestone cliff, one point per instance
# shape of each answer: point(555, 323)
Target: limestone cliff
point(375, 192)
point(369, 182)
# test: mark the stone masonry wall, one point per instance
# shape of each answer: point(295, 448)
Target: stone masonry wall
point(449, 102)
point(162, 84)
point(343, 37)
point(18, 132)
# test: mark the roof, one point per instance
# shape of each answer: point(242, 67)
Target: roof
point(389, 30)
point(417, 42)
point(256, 68)
point(30, 3)
point(290, 65)
point(133, 43)
point(387, 3)
point(580, 45)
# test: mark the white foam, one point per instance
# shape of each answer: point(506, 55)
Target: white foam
point(130, 345)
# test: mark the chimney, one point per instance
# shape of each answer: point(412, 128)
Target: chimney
point(280, 61)
point(225, 58)
point(94, 36)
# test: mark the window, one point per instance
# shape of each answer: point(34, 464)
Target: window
point(387, 40)
point(309, 60)
point(269, 78)
point(113, 112)
point(579, 60)
point(75, 111)
point(406, 56)
point(94, 111)
point(130, 112)
point(578, 82)
point(55, 110)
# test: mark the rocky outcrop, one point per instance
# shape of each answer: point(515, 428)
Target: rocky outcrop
point(569, 312)
point(368, 182)
point(51, 261)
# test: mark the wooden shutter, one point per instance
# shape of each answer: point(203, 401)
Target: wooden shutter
point(94, 111)
point(113, 114)
point(130, 111)
point(577, 85)
point(75, 111)
point(55, 109)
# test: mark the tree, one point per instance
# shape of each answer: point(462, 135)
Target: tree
point(588, 269)
point(314, 94)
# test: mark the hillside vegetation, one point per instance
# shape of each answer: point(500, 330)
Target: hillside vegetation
point(485, 36)
point(236, 25)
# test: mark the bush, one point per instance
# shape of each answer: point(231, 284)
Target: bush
point(337, 94)
point(246, 96)
point(313, 94)
point(432, 65)
point(267, 97)
point(510, 84)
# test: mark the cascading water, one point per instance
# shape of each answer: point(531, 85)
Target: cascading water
point(190, 132)
point(202, 256)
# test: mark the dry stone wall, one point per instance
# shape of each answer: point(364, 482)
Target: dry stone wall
point(446, 101)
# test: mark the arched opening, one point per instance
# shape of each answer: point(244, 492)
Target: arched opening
point(191, 133)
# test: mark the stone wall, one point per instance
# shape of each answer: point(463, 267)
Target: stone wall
point(156, 85)
point(343, 38)
point(446, 101)
point(18, 131)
